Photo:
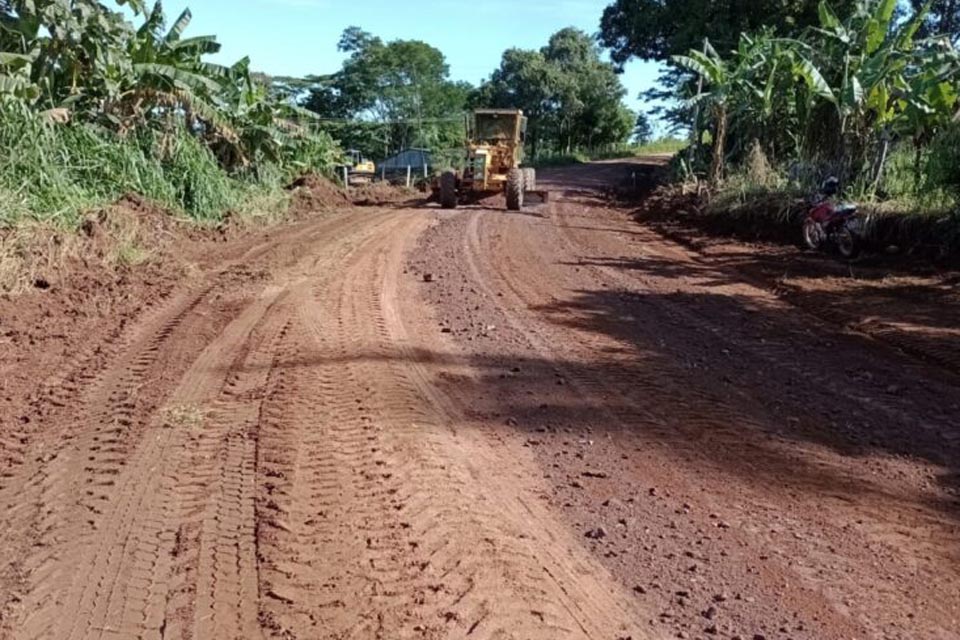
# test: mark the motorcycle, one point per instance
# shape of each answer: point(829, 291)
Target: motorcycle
point(829, 223)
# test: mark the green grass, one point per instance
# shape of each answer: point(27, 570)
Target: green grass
point(908, 217)
point(659, 147)
point(53, 173)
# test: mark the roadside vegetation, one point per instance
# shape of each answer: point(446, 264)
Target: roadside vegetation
point(664, 146)
point(867, 92)
point(394, 95)
point(93, 106)
point(98, 101)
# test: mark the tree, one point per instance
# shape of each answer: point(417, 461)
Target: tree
point(525, 80)
point(402, 86)
point(642, 131)
point(657, 29)
point(724, 78)
point(573, 98)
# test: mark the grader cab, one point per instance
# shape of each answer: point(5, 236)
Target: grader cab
point(494, 153)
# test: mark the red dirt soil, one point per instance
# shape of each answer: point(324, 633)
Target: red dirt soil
point(409, 423)
point(383, 193)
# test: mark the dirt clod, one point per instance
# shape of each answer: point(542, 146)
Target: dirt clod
point(597, 534)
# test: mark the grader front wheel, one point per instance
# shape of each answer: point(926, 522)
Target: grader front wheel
point(515, 189)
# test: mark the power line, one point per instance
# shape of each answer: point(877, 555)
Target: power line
point(381, 122)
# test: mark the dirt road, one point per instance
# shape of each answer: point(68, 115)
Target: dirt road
point(407, 423)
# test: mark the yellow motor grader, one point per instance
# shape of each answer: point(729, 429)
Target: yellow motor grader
point(492, 165)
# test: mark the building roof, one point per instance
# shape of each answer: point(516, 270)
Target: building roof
point(402, 158)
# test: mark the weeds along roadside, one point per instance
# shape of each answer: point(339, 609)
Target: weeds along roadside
point(915, 212)
point(55, 178)
point(868, 97)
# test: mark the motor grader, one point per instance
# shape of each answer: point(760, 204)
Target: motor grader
point(494, 153)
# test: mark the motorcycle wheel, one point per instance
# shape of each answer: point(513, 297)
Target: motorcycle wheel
point(848, 244)
point(812, 235)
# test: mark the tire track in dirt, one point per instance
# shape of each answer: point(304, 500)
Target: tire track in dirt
point(307, 442)
point(424, 541)
point(290, 470)
point(214, 576)
point(217, 539)
point(87, 485)
point(104, 502)
point(49, 405)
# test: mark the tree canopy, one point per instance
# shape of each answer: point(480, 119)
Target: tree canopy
point(395, 94)
point(657, 29)
point(573, 98)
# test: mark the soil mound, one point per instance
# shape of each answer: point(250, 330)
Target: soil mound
point(312, 192)
point(382, 193)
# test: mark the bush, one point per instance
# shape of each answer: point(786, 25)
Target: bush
point(54, 172)
point(943, 160)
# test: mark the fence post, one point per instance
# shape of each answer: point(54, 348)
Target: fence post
point(346, 177)
point(424, 170)
point(409, 172)
point(383, 172)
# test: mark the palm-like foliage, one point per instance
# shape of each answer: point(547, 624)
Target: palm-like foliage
point(78, 58)
point(839, 94)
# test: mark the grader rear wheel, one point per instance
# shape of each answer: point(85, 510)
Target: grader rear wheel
point(515, 189)
point(448, 190)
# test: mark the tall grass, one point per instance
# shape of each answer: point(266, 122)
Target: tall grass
point(54, 172)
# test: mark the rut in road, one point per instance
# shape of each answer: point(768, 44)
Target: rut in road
point(98, 518)
point(296, 476)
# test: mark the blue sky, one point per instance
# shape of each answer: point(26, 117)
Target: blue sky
point(299, 37)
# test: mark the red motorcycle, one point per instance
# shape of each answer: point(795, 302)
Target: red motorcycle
point(831, 223)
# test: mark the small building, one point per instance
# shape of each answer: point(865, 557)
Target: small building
point(415, 158)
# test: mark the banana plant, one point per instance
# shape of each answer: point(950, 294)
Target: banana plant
point(888, 85)
point(15, 79)
point(82, 61)
point(926, 98)
point(843, 90)
point(721, 79)
point(746, 92)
